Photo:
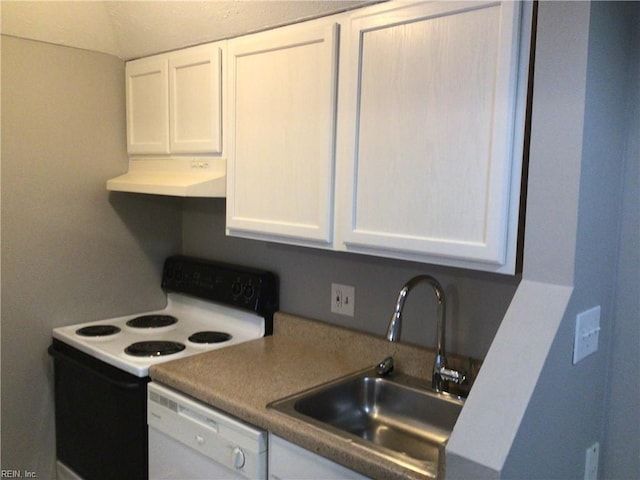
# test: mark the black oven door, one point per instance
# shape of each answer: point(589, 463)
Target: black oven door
point(101, 417)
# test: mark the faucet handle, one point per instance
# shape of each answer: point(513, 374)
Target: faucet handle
point(385, 367)
point(455, 376)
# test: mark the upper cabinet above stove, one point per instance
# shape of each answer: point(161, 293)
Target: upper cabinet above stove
point(429, 132)
point(174, 102)
point(174, 123)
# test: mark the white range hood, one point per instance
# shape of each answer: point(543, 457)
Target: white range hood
point(176, 176)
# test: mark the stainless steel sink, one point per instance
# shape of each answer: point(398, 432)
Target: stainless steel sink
point(396, 416)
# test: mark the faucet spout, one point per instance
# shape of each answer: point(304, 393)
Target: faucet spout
point(440, 372)
point(395, 325)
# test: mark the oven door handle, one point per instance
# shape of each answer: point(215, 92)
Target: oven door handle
point(119, 384)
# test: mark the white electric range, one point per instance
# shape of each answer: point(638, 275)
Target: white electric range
point(186, 326)
point(102, 388)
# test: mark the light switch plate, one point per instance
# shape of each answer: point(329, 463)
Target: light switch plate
point(587, 333)
point(591, 462)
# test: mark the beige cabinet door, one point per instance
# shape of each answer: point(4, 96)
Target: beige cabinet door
point(174, 102)
point(147, 106)
point(195, 92)
point(288, 461)
point(282, 105)
point(429, 161)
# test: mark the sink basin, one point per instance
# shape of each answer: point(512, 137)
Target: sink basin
point(396, 416)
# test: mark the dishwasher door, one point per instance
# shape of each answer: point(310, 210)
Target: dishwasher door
point(188, 439)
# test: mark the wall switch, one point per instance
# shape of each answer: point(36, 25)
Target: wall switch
point(343, 299)
point(591, 462)
point(587, 333)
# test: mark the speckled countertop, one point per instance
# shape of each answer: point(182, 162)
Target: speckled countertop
point(302, 353)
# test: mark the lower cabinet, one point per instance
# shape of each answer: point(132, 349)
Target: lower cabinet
point(291, 462)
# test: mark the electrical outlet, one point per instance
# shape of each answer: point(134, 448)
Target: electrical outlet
point(591, 462)
point(343, 299)
point(587, 333)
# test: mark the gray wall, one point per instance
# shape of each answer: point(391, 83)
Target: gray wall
point(477, 301)
point(491, 435)
point(569, 406)
point(532, 413)
point(70, 251)
point(621, 453)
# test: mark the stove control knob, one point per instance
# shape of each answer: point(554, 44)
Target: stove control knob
point(238, 458)
point(248, 291)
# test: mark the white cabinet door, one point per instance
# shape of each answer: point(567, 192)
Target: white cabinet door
point(195, 89)
point(291, 462)
point(282, 102)
point(174, 102)
point(147, 106)
point(427, 161)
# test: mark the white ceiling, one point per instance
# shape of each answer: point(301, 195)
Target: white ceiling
point(138, 28)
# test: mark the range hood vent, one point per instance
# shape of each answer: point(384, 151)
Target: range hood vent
point(181, 177)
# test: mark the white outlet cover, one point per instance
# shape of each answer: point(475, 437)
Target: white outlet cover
point(587, 333)
point(343, 299)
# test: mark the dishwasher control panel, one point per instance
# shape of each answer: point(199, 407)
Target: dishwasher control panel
point(181, 427)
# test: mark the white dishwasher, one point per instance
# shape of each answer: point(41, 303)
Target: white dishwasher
point(190, 440)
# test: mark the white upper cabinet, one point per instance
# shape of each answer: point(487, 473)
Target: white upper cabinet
point(431, 132)
point(195, 106)
point(174, 102)
point(147, 91)
point(282, 107)
point(414, 152)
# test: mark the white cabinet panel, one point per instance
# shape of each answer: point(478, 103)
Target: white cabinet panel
point(429, 168)
point(282, 101)
point(431, 101)
point(147, 106)
point(291, 462)
point(195, 81)
point(174, 102)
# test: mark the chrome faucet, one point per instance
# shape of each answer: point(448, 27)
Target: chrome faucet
point(440, 372)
